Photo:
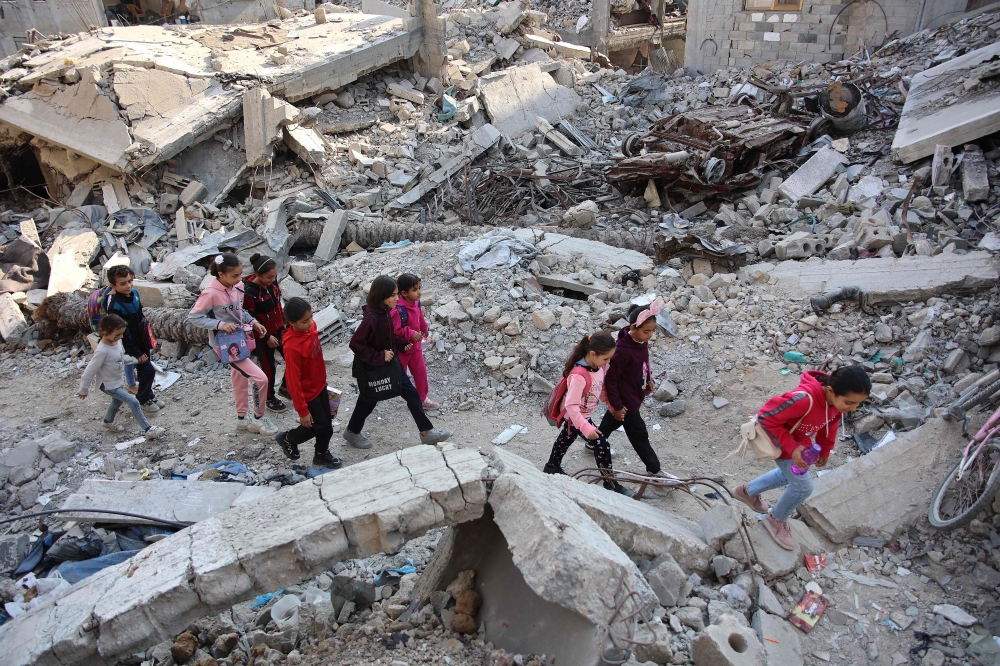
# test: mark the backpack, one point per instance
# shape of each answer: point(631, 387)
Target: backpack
point(553, 410)
point(404, 316)
point(97, 306)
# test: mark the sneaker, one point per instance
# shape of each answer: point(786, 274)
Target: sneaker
point(153, 432)
point(435, 436)
point(756, 503)
point(265, 425)
point(429, 404)
point(159, 403)
point(326, 459)
point(243, 422)
point(357, 440)
point(620, 489)
point(113, 427)
point(150, 408)
point(290, 450)
point(276, 406)
point(779, 531)
point(553, 469)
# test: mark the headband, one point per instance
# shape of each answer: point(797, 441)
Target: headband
point(262, 263)
point(648, 311)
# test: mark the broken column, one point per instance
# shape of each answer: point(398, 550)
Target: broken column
point(263, 118)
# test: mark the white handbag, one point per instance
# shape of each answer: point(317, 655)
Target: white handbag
point(754, 438)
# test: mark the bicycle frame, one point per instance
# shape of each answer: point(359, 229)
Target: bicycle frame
point(983, 437)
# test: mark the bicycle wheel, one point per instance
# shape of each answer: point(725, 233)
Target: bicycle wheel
point(959, 407)
point(957, 501)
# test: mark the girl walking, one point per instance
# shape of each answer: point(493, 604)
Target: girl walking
point(794, 421)
point(375, 344)
point(262, 300)
point(408, 323)
point(124, 302)
point(629, 380)
point(106, 368)
point(305, 371)
point(220, 307)
point(584, 373)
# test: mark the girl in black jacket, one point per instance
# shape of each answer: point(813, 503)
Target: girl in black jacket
point(375, 344)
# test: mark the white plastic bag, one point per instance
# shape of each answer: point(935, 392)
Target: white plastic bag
point(285, 612)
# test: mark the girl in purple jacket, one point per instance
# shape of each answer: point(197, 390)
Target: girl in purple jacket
point(629, 380)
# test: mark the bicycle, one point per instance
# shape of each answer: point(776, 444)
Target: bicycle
point(972, 482)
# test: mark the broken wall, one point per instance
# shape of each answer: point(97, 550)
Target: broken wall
point(726, 34)
point(49, 17)
point(242, 11)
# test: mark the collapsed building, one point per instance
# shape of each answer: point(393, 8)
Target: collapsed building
point(789, 214)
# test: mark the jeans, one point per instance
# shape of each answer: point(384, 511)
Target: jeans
point(363, 409)
point(799, 488)
point(118, 397)
point(322, 427)
point(130, 375)
point(638, 437)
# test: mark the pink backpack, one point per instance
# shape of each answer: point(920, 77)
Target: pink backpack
point(554, 411)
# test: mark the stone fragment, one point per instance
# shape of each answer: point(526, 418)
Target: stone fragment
point(779, 638)
point(666, 392)
point(728, 644)
point(543, 319)
point(813, 174)
point(955, 614)
point(690, 616)
point(719, 524)
point(13, 549)
point(56, 447)
point(12, 321)
point(303, 271)
point(672, 409)
point(767, 600)
point(666, 578)
point(582, 216)
point(985, 576)
point(184, 647)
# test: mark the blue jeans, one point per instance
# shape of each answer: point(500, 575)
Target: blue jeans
point(130, 375)
point(799, 488)
point(120, 396)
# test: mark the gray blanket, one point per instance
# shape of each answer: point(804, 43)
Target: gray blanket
point(23, 266)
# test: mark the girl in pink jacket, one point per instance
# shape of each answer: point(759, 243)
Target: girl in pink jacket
point(584, 374)
point(408, 323)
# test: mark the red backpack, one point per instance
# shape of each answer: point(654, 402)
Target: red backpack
point(553, 411)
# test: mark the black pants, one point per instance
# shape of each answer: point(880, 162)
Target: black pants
point(145, 373)
point(568, 435)
point(322, 427)
point(265, 354)
point(638, 437)
point(363, 408)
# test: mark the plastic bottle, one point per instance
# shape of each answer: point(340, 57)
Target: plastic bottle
point(809, 456)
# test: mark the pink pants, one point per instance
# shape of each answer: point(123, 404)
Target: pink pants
point(243, 372)
point(414, 362)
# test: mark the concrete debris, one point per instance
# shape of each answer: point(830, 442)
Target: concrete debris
point(515, 97)
point(882, 492)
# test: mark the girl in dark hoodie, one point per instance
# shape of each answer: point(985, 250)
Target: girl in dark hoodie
point(793, 421)
point(262, 299)
point(369, 345)
point(629, 380)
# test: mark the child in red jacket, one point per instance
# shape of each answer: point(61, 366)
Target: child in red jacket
point(793, 421)
point(305, 372)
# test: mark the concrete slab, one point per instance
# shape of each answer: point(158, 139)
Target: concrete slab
point(602, 255)
point(514, 97)
point(70, 257)
point(476, 144)
point(263, 118)
point(558, 281)
point(775, 560)
point(886, 490)
point(638, 529)
point(183, 501)
point(936, 112)
point(893, 280)
point(779, 638)
point(564, 556)
point(329, 240)
point(306, 143)
point(813, 174)
point(280, 540)
point(210, 163)
point(12, 321)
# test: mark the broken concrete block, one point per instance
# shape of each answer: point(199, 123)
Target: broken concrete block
point(263, 118)
point(582, 216)
point(12, 322)
point(975, 178)
point(163, 294)
point(813, 174)
point(510, 16)
point(798, 248)
point(872, 236)
point(303, 271)
point(779, 638)
point(564, 556)
point(543, 319)
point(941, 166)
point(169, 203)
point(305, 142)
point(329, 240)
point(56, 447)
point(775, 560)
point(718, 525)
point(292, 289)
point(728, 643)
point(172, 348)
point(13, 549)
point(403, 92)
point(884, 491)
point(666, 579)
point(193, 192)
point(516, 96)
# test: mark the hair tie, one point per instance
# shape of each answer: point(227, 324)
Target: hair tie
point(218, 258)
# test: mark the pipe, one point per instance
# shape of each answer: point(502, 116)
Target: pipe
point(47, 512)
point(820, 304)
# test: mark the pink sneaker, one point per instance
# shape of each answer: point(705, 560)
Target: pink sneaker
point(779, 531)
point(429, 404)
point(756, 503)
